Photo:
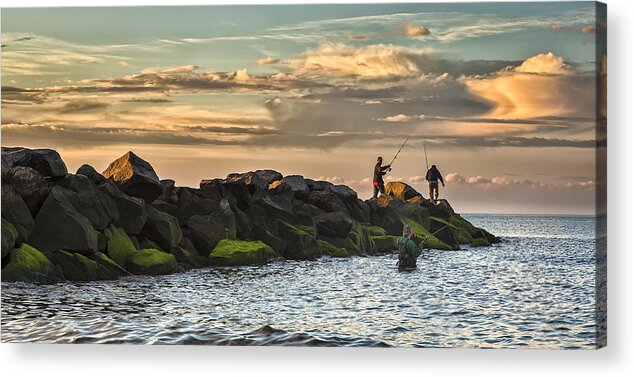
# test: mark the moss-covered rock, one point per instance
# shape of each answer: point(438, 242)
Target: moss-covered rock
point(30, 265)
point(373, 230)
point(75, 267)
point(9, 235)
point(384, 244)
point(321, 248)
point(239, 253)
point(119, 247)
point(431, 242)
point(467, 233)
point(108, 269)
point(152, 262)
point(478, 242)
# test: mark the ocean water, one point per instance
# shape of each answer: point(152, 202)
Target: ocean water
point(536, 289)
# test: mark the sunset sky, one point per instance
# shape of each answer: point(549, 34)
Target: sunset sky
point(503, 95)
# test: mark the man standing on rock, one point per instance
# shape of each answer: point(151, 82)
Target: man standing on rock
point(433, 176)
point(377, 181)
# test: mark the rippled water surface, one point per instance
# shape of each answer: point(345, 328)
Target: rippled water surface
point(536, 289)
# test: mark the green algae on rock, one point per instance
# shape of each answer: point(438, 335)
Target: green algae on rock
point(152, 262)
point(30, 265)
point(119, 247)
point(240, 253)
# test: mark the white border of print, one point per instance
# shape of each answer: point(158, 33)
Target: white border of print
point(111, 360)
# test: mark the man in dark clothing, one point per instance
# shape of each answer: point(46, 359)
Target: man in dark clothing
point(377, 181)
point(433, 176)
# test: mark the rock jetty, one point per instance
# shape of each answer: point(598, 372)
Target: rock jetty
point(58, 226)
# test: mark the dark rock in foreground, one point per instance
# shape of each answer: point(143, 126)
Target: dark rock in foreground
point(88, 226)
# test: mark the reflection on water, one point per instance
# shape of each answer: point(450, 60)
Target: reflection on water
point(533, 290)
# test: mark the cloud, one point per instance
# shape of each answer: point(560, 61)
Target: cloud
point(544, 63)
point(355, 37)
point(83, 106)
point(543, 85)
point(456, 178)
point(267, 60)
point(375, 61)
point(411, 30)
point(124, 63)
point(396, 118)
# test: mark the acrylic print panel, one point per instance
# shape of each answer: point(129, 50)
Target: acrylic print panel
point(213, 175)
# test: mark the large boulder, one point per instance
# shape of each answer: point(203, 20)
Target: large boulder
point(162, 228)
point(30, 185)
point(295, 183)
point(30, 265)
point(192, 202)
point(152, 262)
point(15, 211)
point(59, 226)
point(214, 189)
point(239, 191)
point(135, 177)
point(75, 182)
point(317, 185)
point(300, 240)
point(442, 209)
point(325, 200)
point(239, 253)
point(132, 213)
point(278, 206)
point(401, 190)
point(334, 224)
point(255, 180)
point(355, 207)
point(98, 207)
point(342, 191)
point(88, 171)
point(205, 232)
point(45, 161)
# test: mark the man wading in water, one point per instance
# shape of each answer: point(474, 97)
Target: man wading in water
point(377, 181)
point(433, 176)
point(408, 250)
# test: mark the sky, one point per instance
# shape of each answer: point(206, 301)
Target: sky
point(502, 95)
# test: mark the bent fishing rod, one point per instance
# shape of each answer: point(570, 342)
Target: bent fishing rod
point(397, 153)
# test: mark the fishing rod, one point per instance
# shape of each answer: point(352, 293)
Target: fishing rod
point(397, 153)
point(433, 234)
point(426, 163)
